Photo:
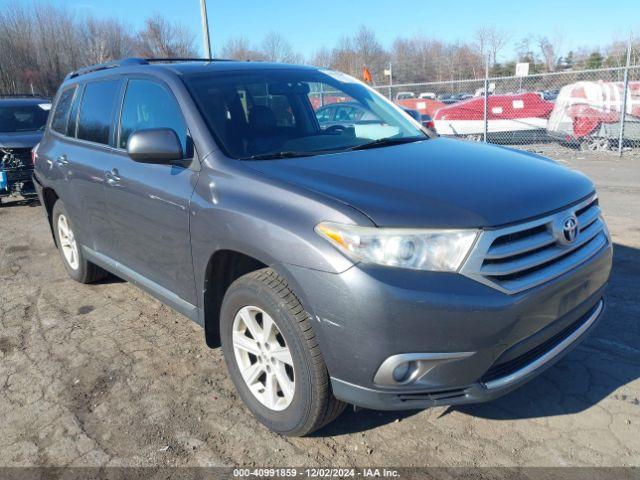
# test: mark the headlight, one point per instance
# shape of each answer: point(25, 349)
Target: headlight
point(417, 249)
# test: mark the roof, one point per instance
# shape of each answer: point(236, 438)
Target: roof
point(228, 66)
point(178, 66)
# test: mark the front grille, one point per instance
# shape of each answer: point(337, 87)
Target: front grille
point(503, 369)
point(520, 257)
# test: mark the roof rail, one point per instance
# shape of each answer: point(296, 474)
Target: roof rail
point(104, 66)
point(22, 95)
point(137, 61)
point(186, 59)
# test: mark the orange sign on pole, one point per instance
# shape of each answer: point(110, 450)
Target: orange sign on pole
point(366, 75)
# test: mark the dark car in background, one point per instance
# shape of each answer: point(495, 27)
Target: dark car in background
point(22, 121)
point(462, 96)
point(343, 114)
point(376, 264)
point(447, 98)
point(422, 118)
point(550, 95)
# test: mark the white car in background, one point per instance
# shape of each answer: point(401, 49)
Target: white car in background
point(405, 95)
point(429, 95)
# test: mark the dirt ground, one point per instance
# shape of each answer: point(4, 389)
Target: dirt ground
point(106, 375)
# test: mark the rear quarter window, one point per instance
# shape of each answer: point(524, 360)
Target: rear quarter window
point(61, 113)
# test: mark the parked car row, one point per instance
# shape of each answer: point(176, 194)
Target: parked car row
point(22, 121)
point(582, 114)
point(444, 97)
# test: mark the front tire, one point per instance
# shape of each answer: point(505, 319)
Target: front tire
point(273, 356)
point(73, 259)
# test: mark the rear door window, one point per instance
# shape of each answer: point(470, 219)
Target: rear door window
point(96, 113)
point(148, 104)
point(61, 113)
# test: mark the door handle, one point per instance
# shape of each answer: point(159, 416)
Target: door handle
point(62, 160)
point(113, 177)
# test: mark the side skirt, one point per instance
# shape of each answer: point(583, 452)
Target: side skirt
point(158, 291)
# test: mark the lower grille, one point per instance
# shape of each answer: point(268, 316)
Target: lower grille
point(500, 370)
point(432, 396)
point(520, 257)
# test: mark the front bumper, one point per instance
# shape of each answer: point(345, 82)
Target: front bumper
point(367, 314)
point(514, 374)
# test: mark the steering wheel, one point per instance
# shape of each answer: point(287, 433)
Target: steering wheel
point(334, 129)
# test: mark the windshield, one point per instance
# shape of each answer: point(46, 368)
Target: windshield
point(23, 118)
point(288, 113)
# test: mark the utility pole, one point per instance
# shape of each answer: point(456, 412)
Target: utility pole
point(623, 108)
point(486, 100)
point(205, 29)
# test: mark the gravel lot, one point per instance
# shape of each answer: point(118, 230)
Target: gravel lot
point(106, 375)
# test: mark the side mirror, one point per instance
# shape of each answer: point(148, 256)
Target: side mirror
point(154, 145)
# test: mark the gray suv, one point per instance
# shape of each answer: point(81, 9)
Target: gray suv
point(372, 264)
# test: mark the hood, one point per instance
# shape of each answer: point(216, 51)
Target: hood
point(20, 139)
point(437, 183)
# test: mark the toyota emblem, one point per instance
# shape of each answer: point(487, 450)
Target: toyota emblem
point(569, 229)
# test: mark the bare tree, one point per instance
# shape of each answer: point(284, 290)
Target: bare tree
point(550, 51)
point(345, 57)
point(163, 39)
point(497, 40)
point(276, 49)
point(106, 40)
point(489, 42)
point(369, 52)
point(524, 50)
point(238, 48)
point(322, 58)
point(41, 43)
point(481, 39)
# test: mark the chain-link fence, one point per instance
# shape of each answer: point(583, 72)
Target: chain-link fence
point(553, 113)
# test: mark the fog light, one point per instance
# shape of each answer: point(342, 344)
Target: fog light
point(410, 368)
point(401, 372)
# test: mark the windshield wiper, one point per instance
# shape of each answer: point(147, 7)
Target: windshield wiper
point(275, 155)
point(386, 142)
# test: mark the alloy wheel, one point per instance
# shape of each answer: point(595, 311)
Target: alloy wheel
point(68, 242)
point(263, 358)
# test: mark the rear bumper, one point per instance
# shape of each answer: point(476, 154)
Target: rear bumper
point(366, 315)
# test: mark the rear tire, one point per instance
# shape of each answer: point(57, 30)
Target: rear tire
point(261, 297)
point(73, 259)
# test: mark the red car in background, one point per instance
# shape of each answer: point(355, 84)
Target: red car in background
point(507, 115)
